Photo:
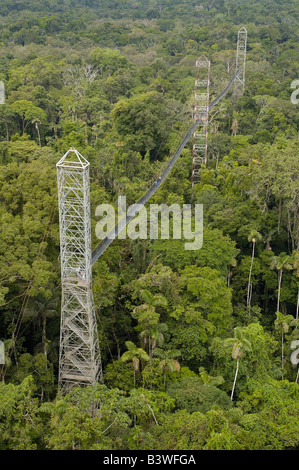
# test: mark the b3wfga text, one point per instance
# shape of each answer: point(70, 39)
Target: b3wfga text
point(157, 459)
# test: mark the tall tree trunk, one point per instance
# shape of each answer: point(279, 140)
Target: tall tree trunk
point(37, 128)
point(217, 160)
point(44, 338)
point(279, 216)
point(235, 380)
point(152, 413)
point(117, 344)
point(7, 131)
point(249, 289)
point(282, 355)
point(297, 309)
point(229, 276)
point(85, 128)
point(279, 288)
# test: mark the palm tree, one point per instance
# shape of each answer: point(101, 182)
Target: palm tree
point(281, 262)
point(37, 121)
point(253, 237)
point(136, 355)
point(232, 263)
point(154, 336)
point(168, 361)
point(58, 407)
point(208, 379)
point(295, 257)
point(39, 310)
point(282, 324)
point(239, 344)
point(268, 238)
point(148, 319)
point(121, 184)
point(235, 125)
point(152, 300)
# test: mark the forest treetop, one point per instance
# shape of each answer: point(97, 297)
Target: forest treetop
point(199, 342)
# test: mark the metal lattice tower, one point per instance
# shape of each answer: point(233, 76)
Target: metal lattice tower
point(239, 83)
point(79, 356)
point(201, 105)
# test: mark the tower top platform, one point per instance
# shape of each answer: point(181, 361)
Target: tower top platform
point(72, 159)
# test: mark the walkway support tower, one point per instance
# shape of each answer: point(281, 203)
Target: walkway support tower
point(79, 355)
point(239, 83)
point(200, 113)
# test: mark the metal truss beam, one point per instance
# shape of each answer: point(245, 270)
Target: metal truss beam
point(79, 355)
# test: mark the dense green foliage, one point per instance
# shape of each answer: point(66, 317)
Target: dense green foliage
point(196, 345)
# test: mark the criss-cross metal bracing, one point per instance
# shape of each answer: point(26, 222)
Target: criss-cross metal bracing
point(79, 357)
point(201, 114)
point(239, 83)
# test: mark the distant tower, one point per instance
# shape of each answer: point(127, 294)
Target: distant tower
point(79, 356)
point(239, 83)
point(200, 113)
